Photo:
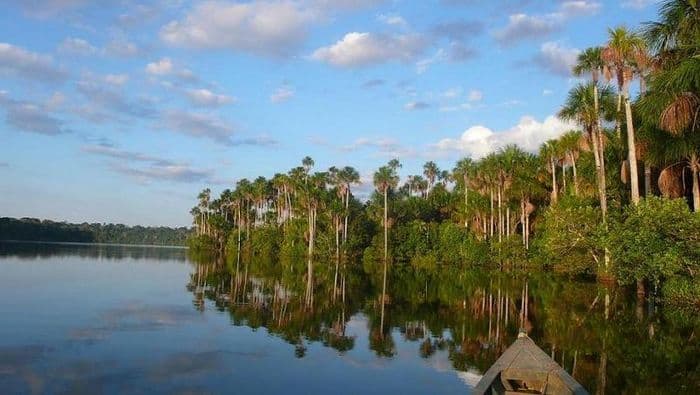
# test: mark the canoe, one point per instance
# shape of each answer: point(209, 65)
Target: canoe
point(525, 369)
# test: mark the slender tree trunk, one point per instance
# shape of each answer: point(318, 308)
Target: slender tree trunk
point(522, 218)
point(555, 194)
point(694, 163)
point(618, 118)
point(647, 178)
point(466, 200)
point(492, 219)
point(500, 215)
point(631, 149)
point(386, 257)
point(573, 167)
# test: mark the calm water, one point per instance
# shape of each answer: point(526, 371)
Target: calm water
point(101, 319)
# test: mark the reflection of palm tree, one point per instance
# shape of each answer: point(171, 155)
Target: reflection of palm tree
point(385, 179)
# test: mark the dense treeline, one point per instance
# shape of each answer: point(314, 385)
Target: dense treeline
point(32, 229)
point(615, 199)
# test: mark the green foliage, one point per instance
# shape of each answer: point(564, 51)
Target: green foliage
point(655, 240)
point(682, 292)
point(32, 229)
point(570, 238)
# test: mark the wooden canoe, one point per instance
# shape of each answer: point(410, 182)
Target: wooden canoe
point(525, 369)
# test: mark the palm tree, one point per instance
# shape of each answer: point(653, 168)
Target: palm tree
point(385, 179)
point(463, 171)
point(620, 55)
point(349, 176)
point(583, 106)
point(548, 153)
point(571, 145)
point(430, 171)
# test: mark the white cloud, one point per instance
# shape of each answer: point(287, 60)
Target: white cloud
point(30, 117)
point(201, 125)
point(162, 67)
point(579, 8)
point(478, 141)
point(452, 93)
point(523, 26)
point(116, 79)
point(547, 92)
point(270, 28)
point(205, 97)
point(557, 59)
point(282, 94)
point(475, 95)
point(77, 46)
point(122, 48)
point(392, 20)
point(365, 49)
point(18, 62)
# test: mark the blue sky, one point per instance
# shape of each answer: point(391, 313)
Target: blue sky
point(121, 111)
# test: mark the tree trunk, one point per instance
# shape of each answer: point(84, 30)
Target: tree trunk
point(466, 200)
point(573, 166)
point(386, 257)
point(492, 224)
point(696, 185)
point(555, 195)
point(500, 215)
point(631, 149)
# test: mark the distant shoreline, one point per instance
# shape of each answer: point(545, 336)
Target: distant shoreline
point(93, 244)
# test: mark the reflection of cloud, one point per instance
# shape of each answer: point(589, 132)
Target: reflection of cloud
point(186, 364)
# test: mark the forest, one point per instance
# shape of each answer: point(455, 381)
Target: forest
point(614, 200)
point(32, 229)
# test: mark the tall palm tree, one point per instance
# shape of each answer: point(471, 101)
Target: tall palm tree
point(586, 109)
point(349, 176)
point(548, 153)
point(620, 55)
point(385, 179)
point(463, 172)
point(571, 145)
point(430, 171)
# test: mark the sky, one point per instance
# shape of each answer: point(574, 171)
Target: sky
point(122, 111)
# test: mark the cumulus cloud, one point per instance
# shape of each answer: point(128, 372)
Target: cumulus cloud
point(113, 100)
point(146, 168)
point(122, 48)
point(556, 59)
point(366, 49)
point(201, 125)
point(18, 62)
point(478, 141)
point(282, 94)
point(77, 46)
point(163, 66)
point(116, 79)
point(270, 28)
point(47, 8)
point(207, 98)
point(30, 117)
point(392, 20)
point(523, 26)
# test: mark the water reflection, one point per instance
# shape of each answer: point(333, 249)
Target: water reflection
point(598, 333)
point(32, 251)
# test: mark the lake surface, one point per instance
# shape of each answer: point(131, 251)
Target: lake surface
point(140, 320)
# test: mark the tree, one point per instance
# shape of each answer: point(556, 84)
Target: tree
point(430, 171)
point(463, 172)
point(385, 179)
point(620, 54)
point(586, 109)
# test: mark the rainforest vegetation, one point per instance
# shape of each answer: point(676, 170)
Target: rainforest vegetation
point(32, 229)
point(615, 199)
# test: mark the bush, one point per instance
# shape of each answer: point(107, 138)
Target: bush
point(570, 239)
point(655, 240)
point(683, 292)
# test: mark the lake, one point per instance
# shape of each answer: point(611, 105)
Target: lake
point(143, 320)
